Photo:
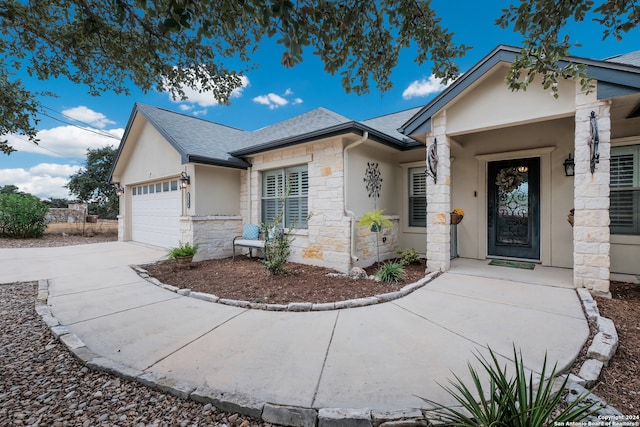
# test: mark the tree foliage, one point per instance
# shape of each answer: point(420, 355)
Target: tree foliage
point(91, 184)
point(172, 45)
point(545, 45)
point(22, 216)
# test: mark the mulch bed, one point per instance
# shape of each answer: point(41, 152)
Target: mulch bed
point(246, 279)
point(620, 381)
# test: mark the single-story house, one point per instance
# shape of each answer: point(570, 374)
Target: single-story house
point(497, 154)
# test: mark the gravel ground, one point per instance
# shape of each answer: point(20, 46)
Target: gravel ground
point(43, 385)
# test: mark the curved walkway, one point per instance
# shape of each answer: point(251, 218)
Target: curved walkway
point(380, 357)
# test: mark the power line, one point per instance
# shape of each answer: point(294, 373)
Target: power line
point(40, 146)
point(90, 129)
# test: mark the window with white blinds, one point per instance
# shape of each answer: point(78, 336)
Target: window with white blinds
point(624, 211)
point(417, 197)
point(275, 185)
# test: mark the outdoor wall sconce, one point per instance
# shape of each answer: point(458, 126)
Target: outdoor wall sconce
point(119, 190)
point(569, 166)
point(523, 169)
point(184, 180)
point(593, 142)
point(432, 161)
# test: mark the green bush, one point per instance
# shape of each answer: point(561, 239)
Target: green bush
point(185, 249)
point(22, 216)
point(277, 247)
point(390, 272)
point(519, 401)
point(409, 256)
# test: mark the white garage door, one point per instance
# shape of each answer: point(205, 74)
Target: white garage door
point(156, 210)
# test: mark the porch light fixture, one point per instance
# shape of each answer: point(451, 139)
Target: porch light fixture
point(119, 189)
point(569, 166)
point(184, 180)
point(523, 169)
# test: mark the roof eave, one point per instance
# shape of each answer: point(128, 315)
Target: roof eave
point(340, 129)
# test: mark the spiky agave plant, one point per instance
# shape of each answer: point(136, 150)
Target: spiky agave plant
point(509, 401)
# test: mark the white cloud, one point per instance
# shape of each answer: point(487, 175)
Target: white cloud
point(67, 141)
point(423, 87)
point(45, 180)
point(206, 99)
point(88, 116)
point(274, 101)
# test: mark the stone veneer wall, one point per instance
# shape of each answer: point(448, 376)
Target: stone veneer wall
point(213, 234)
point(591, 234)
point(326, 240)
point(366, 243)
point(439, 201)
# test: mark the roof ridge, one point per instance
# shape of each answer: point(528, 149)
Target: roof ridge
point(141, 104)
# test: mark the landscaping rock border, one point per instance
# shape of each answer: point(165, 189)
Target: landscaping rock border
point(292, 306)
point(601, 351)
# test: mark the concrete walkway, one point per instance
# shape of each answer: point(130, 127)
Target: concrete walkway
point(380, 357)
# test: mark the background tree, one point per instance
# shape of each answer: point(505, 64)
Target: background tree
point(91, 184)
point(58, 203)
point(176, 44)
point(10, 189)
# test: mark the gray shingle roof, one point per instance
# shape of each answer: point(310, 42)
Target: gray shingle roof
point(389, 124)
point(631, 58)
point(201, 141)
point(309, 122)
point(193, 137)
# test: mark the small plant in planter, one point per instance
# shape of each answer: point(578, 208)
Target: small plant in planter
point(376, 220)
point(183, 254)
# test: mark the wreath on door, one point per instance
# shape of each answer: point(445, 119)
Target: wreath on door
point(509, 179)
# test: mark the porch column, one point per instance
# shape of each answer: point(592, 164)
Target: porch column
point(439, 200)
point(591, 234)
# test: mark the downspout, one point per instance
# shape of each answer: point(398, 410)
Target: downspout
point(351, 214)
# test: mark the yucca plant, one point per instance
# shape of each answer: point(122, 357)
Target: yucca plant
point(509, 401)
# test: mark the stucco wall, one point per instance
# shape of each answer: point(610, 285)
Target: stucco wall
point(215, 191)
point(472, 112)
point(469, 184)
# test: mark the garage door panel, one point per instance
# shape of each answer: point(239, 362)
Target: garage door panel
point(156, 218)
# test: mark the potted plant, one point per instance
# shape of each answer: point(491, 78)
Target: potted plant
point(456, 216)
point(570, 216)
point(183, 254)
point(376, 220)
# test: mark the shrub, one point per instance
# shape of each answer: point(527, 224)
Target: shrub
point(409, 256)
point(510, 401)
point(390, 272)
point(277, 248)
point(22, 216)
point(185, 249)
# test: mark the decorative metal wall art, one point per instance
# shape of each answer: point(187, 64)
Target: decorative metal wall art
point(432, 161)
point(373, 181)
point(593, 142)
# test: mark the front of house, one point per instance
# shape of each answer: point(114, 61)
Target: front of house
point(498, 155)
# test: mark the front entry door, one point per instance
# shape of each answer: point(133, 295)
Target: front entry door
point(514, 208)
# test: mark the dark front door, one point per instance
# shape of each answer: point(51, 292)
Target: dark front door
point(514, 208)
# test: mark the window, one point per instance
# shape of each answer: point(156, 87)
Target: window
point(165, 186)
point(174, 185)
point(158, 188)
point(274, 190)
point(417, 198)
point(624, 211)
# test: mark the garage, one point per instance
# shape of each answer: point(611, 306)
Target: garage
point(155, 213)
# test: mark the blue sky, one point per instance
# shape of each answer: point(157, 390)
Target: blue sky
point(271, 93)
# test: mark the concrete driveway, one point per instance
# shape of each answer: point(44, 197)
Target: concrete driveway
point(380, 357)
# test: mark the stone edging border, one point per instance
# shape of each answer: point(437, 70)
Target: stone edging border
point(293, 306)
point(603, 346)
